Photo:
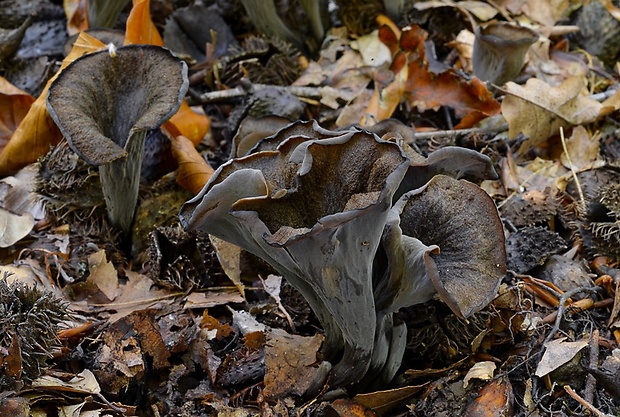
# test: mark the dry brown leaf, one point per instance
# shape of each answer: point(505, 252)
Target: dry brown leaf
point(383, 401)
point(212, 299)
point(349, 408)
point(140, 28)
point(103, 275)
point(193, 124)
point(211, 323)
point(291, 358)
point(545, 12)
point(538, 110)
point(14, 105)
point(83, 383)
point(194, 171)
point(611, 104)
point(481, 370)
point(421, 88)
point(495, 399)
point(583, 149)
point(37, 132)
point(229, 256)
point(77, 15)
point(557, 353)
point(14, 227)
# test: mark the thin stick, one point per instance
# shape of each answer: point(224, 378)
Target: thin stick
point(588, 392)
point(572, 170)
point(583, 402)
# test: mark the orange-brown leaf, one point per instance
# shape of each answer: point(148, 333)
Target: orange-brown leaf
point(140, 27)
point(77, 15)
point(14, 105)
point(495, 399)
point(190, 124)
point(37, 132)
point(194, 171)
point(428, 91)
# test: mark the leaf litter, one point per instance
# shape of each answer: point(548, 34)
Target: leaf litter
point(180, 322)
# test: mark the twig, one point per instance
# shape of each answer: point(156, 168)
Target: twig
point(459, 132)
point(239, 92)
point(562, 307)
point(582, 204)
point(584, 403)
point(588, 392)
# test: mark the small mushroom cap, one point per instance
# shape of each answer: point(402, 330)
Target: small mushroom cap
point(462, 220)
point(99, 100)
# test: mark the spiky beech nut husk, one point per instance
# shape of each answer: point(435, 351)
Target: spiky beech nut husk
point(180, 260)
point(28, 330)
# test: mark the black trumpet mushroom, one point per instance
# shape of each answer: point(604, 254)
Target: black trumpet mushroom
point(330, 210)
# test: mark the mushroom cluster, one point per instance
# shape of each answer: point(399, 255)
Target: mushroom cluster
point(362, 227)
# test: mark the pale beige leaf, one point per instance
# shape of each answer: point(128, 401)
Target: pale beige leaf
point(583, 149)
point(14, 227)
point(83, 383)
point(229, 256)
point(545, 12)
point(557, 353)
point(538, 110)
point(482, 10)
point(103, 275)
point(481, 370)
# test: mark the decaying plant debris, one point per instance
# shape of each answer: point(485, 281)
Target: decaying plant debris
point(334, 208)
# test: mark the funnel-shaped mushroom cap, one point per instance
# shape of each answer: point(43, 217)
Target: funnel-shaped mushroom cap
point(105, 102)
point(99, 100)
point(461, 220)
point(314, 209)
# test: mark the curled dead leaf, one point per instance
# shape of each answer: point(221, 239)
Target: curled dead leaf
point(194, 171)
point(37, 132)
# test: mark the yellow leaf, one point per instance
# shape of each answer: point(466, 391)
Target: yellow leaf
point(77, 15)
point(14, 105)
point(37, 132)
point(194, 171)
point(190, 124)
point(140, 26)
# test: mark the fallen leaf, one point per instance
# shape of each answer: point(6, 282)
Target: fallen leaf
point(546, 13)
point(425, 90)
point(349, 408)
point(37, 132)
point(481, 370)
point(103, 275)
point(77, 15)
point(140, 28)
point(14, 227)
point(212, 299)
point(292, 358)
point(229, 256)
point(191, 123)
point(495, 399)
point(383, 401)
point(582, 148)
point(538, 110)
point(557, 353)
point(83, 383)
point(209, 322)
point(14, 105)
point(193, 172)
